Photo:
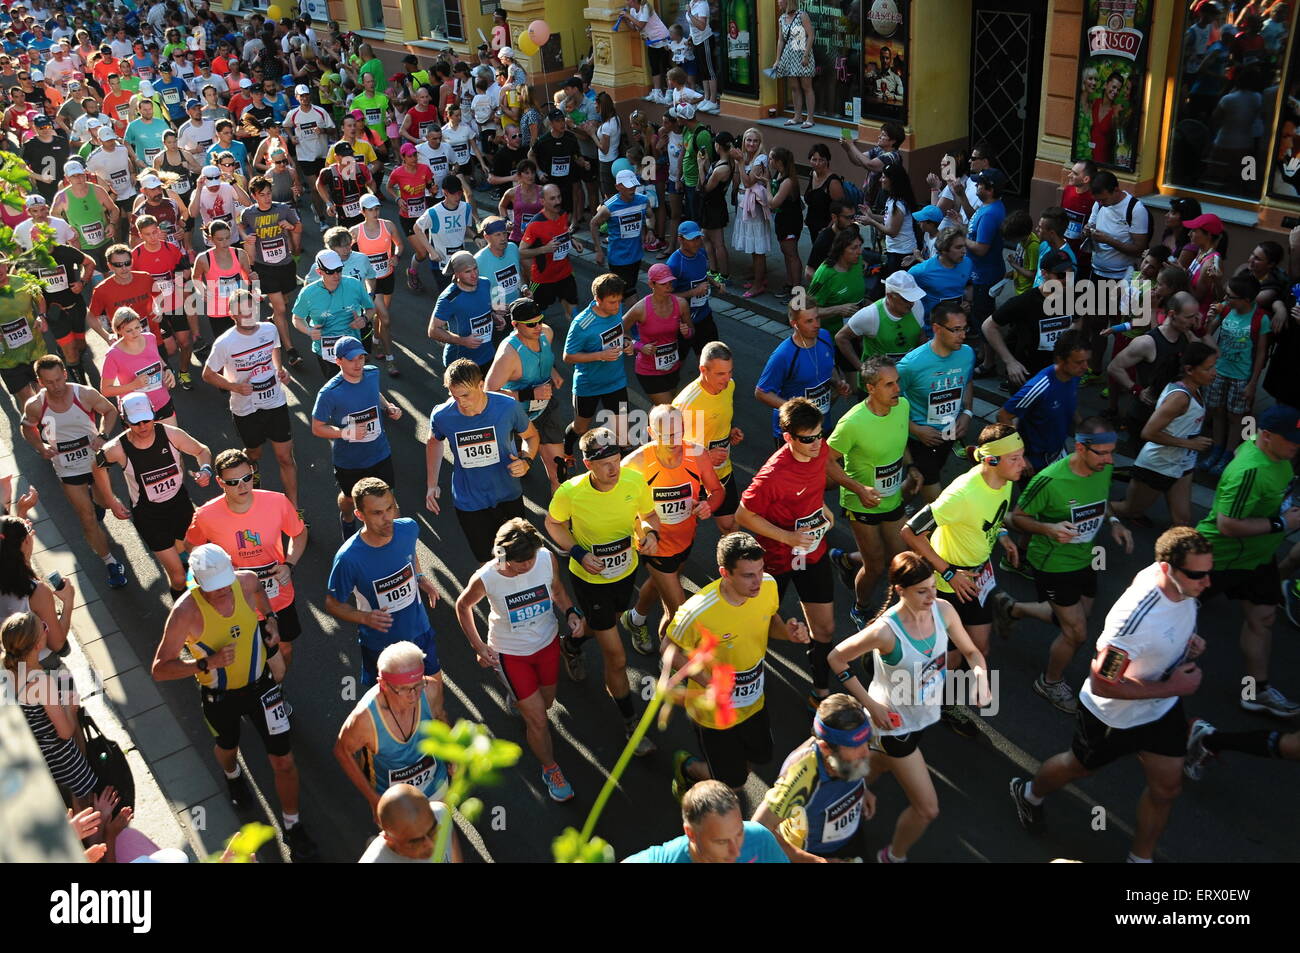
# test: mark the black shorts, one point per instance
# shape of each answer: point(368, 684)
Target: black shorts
point(16, 378)
point(160, 525)
point(310, 167)
point(260, 426)
point(730, 751)
point(706, 332)
point(550, 429)
point(972, 612)
point(1096, 744)
point(659, 383)
point(289, 623)
point(897, 746)
point(703, 59)
point(408, 224)
point(223, 712)
point(277, 279)
point(124, 206)
point(166, 410)
point(81, 479)
point(65, 321)
point(815, 583)
point(545, 294)
point(630, 273)
point(346, 479)
point(1261, 586)
point(873, 519)
point(585, 406)
point(603, 602)
point(480, 526)
point(844, 364)
point(668, 564)
point(386, 284)
point(1160, 482)
point(173, 324)
point(731, 502)
point(929, 460)
point(1066, 588)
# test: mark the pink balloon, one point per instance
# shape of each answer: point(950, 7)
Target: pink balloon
point(539, 32)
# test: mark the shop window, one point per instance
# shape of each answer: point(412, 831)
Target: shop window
point(440, 19)
point(1284, 177)
point(1229, 71)
point(837, 59)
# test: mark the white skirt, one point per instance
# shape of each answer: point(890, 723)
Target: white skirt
point(751, 236)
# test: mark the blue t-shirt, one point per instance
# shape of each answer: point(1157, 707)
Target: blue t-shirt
point(986, 228)
point(176, 105)
point(934, 385)
point(340, 403)
point(1069, 253)
point(588, 334)
point(236, 149)
point(793, 371)
point(480, 450)
point(625, 222)
point(691, 273)
point(503, 273)
point(1045, 407)
point(940, 283)
point(333, 311)
point(467, 313)
point(759, 847)
point(383, 577)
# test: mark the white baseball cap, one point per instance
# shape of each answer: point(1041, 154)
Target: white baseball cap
point(95, 123)
point(901, 283)
point(329, 260)
point(136, 408)
point(211, 172)
point(300, 90)
point(211, 567)
point(370, 200)
point(245, 83)
point(151, 182)
point(627, 178)
point(146, 88)
point(108, 133)
point(505, 51)
point(74, 168)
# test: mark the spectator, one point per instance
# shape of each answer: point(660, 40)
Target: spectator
point(824, 187)
point(20, 588)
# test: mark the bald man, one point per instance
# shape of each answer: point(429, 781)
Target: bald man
point(408, 824)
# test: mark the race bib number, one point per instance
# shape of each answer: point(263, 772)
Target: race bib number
point(266, 390)
point(417, 775)
point(56, 279)
point(266, 576)
point(1074, 228)
point(277, 716)
point(524, 607)
point(674, 503)
point(120, 179)
point(183, 186)
point(889, 478)
point(162, 484)
point(382, 264)
point(481, 326)
point(397, 591)
point(725, 446)
point(415, 207)
point(702, 300)
point(985, 581)
point(820, 396)
point(477, 448)
point(228, 286)
point(274, 251)
point(150, 154)
point(815, 524)
point(438, 165)
point(154, 372)
point(171, 97)
point(16, 333)
point(363, 425)
point(666, 356)
point(1087, 519)
point(352, 209)
point(374, 116)
point(615, 557)
point(424, 129)
point(460, 152)
point(536, 406)
point(561, 247)
point(842, 817)
point(92, 234)
point(559, 167)
point(1049, 329)
point(943, 407)
point(930, 683)
point(327, 345)
point(748, 687)
point(74, 452)
point(507, 280)
point(629, 226)
point(611, 337)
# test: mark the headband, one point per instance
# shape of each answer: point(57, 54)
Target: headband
point(491, 228)
point(841, 737)
point(401, 678)
point(1000, 447)
point(1088, 439)
point(600, 453)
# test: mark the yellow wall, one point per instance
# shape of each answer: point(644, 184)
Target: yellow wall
point(939, 72)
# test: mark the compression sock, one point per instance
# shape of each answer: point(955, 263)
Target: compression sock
point(1262, 743)
point(818, 660)
point(625, 708)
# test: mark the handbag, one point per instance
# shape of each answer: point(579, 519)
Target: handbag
point(109, 761)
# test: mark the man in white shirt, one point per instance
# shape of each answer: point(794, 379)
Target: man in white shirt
point(1132, 700)
point(1119, 229)
point(409, 823)
point(39, 211)
point(196, 134)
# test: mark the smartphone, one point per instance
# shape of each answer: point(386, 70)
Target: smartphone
point(56, 581)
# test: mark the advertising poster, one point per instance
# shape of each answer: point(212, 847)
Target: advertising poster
point(884, 60)
point(739, 46)
point(1112, 76)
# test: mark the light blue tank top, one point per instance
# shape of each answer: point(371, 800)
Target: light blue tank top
point(402, 762)
point(535, 368)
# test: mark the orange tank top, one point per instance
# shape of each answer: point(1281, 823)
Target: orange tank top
point(378, 250)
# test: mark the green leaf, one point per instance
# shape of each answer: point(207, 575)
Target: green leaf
point(471, 808)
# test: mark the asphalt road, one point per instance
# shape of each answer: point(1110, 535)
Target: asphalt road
point(1242, 811)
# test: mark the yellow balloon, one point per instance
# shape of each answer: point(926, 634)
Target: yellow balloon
point(274, 12)
point(527, 45)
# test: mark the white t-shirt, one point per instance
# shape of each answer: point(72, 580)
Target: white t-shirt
point(63, 232)
point(122, 49)
point(972, 196)
point(700, 8)
point(483, 106)
point(197, 137)
point(247, 358)
point(114, 170)
point(458, 139)
point(1154, 631)
point(674, 156)
point(904, 243)
point(612, 129)
point(309, 126)
point(445, 227)
point(438, 160)
point(378, 852)
point(1107, 261)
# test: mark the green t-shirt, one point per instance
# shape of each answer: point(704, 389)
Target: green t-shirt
point(20, 340)
point(1057, 494)
point(375, 108)
point(1253, 485)
point(830, 288)
point(376, 67)
point(693, 140)
point(969, 514)
point(873, 450)
point(1237, 345)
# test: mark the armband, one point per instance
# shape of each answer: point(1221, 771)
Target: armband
point(1003, 532)
point(206, 468)
point(966, 412)
point(1277, 524)
point(101, 461)
point(525, 393)
point(948, 574)
point(577, 553)
point(1113, 666)
point(845, 676)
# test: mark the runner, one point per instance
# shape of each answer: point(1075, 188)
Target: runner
point(150, 454)
point(409, 829)
point(440, 232)
point(217, 621)
point(707, 405)
point(604, 518)
point(803, 365)
point(380, 565)
point(272, 239)
point(870, 443)
point(499, 261)
point(378, 240)
point(1131, 702)
point(524, 592)
point(126, 288)
point(378, 745)
point(349, 412)
point(894, 326)
point(731, 620)
point(596, 344)
point(685, 489)
point(219, 272)
point(332, 308)
point(22, 336)
point(546, 243)
point(245, 362)
point(1033, 322)
point(716, 833)
point(70, 274)
point(1043, 410)
point(462, 319)
point(1064, 506)
point(625, 214)
point(134, 363)
point(342, 183)
point(413, 184)
point(695, 282)
point(65, 423)
point(909, 641)
point(822, 780)
point(307, 127)
point(480, 429)
point(216, 200)
point(663, 323)
point(164, 261)
point(89, 209)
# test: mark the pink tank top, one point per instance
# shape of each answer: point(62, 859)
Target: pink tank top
point(523, 211)
point(663, 333)
point(222, 282)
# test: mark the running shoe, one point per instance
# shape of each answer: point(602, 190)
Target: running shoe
point(643, 747)
point(202, 347)
point(640, 633)
point(844, 566)
point(1271, 702)
point(1208, 458)
point(390, 365)
point(882, 856)
point(1291, 600)
point(241, 795)
point(1197, 753)
point(1089, 378)
point(858, 615)
point(413, 281)
point(556, 786)
point(573, 663)
point(295, 359)
point(116, 575)
point(1031, 815)
point(1022, 570)
point(957, 718)
point(959, 450)
point(187, 382)
point(302, 849)
point(1061, 695)
point(1003, 621)
point(681, 781)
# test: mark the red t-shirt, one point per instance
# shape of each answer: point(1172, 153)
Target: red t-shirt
point(412, 189)
point(137, 293)
point(542, 231)
point(1078, 206)
point(422, 119)
point(237, 104)
point(108, 65)
point(162, 265)
point(789, 494)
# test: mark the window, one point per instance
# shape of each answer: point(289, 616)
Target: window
point(440, 19)
point(1228, 76)
point(372, 14)
point(837, 58)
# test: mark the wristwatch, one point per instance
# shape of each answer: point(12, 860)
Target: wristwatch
point(202, 664)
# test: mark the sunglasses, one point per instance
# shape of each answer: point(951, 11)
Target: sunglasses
point(229, 165)
point(330, 271)
point(1193, 573)
point(246, 478)
point(121, 264)
point(807, 438)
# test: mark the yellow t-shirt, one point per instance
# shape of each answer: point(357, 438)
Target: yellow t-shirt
point(512, 98)
point(969, 513)
point(361, 149)
point(707, 419)
point(604, 522)
point(742, 641)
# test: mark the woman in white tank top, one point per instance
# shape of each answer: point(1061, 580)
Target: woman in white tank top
point(1165, 463)
point(912, 642)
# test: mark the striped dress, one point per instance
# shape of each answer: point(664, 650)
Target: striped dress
point(65, 760)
